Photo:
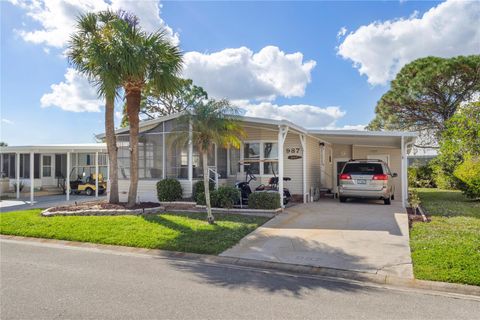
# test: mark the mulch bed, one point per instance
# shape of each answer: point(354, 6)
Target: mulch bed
point(95, 205)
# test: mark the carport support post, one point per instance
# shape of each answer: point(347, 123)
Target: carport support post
point(190, 155)
point(282, 134)
point(32, 177)
point(404, 174)
point(96, 174)
point(17, 173)
point(304, 166)
point(67, 178)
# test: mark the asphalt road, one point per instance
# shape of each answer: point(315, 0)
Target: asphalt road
point(45, 282)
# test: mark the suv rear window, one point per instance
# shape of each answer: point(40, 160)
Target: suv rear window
point(363, 168)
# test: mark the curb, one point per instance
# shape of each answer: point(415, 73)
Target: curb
point(277, 266)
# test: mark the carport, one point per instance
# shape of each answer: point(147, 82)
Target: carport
point(29, 165)
point(341, 146)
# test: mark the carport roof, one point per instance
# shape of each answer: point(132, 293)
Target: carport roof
point(56, 148)
point(364, 138)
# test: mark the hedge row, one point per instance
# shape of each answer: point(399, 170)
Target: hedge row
point(224, 197)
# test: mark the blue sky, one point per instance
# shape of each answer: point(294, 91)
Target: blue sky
point(286, 59)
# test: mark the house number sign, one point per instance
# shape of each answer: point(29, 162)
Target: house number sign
point(293, 153)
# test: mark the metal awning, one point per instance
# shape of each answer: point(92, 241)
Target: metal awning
point(56, 148)
point(365, 138)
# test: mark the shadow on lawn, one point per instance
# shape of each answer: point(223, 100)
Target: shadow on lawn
point(240, 278)
point(204, 238)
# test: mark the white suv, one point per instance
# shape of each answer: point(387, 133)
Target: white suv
point(369, 179)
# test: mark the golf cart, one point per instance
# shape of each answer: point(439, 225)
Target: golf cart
point(86, 185)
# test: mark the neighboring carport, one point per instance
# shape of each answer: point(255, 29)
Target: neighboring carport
point(15, 153)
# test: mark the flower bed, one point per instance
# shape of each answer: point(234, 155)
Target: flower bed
point(103, 209)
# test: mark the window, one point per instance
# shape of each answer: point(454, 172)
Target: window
point(363, 168)
point(251, 157)
point(270, 156)
point(222, 162)
point(47, 166)
point(234, 161)
point(25, 166)
point(150, 157)
point(260, 157)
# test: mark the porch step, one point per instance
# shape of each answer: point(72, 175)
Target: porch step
point(51, 188)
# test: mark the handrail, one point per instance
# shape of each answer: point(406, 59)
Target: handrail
point(215, 174)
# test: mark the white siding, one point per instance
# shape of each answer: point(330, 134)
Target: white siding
point(313, 164)
point(147, 190)
point(293, 168)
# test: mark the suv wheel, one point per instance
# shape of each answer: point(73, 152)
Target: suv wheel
point(387, 201)
point(343, 199)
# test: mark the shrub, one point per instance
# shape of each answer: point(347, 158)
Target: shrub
point(421, 177)
point(413, 199)
point(469, 173)
point(225, 197)
point(199, 192)
point(20, 188)
point(264, 200)
point(169, 190)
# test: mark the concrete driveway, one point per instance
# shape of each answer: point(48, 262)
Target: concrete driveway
point(362, 236)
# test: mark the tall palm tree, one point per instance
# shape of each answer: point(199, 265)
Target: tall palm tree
point(211, 122)
point(143, 58)
point(91, 55)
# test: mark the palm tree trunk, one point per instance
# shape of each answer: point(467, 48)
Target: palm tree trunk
point(112, 149)
point(206, 183)
point(133, 108)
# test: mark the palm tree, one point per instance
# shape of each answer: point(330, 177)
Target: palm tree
point(90, 54)
point(211, 122)
point(142, 58)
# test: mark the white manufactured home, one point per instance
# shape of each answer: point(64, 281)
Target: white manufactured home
point(311, 158)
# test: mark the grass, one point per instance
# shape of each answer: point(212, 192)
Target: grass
point(177, 232)
point(448, 248)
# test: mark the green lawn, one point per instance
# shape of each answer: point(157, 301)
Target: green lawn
point(178, 232)
point(447, 248)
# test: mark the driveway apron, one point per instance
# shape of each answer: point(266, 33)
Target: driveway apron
point(364, 236)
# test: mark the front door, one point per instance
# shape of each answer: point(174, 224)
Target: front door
point(47, 170)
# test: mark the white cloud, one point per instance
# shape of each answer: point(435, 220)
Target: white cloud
point(305, 115)
point(379, 50)
point(75, 94)
point(240, 73)
point(341, 32)
point(57, 18)
point(6, 121)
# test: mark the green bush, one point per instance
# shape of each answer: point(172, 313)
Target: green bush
point(225, 197)
point(199, 191)
point(264, 200)
point(421, 177)
point(444, 178)
point(469, 173)
point(169, 190)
